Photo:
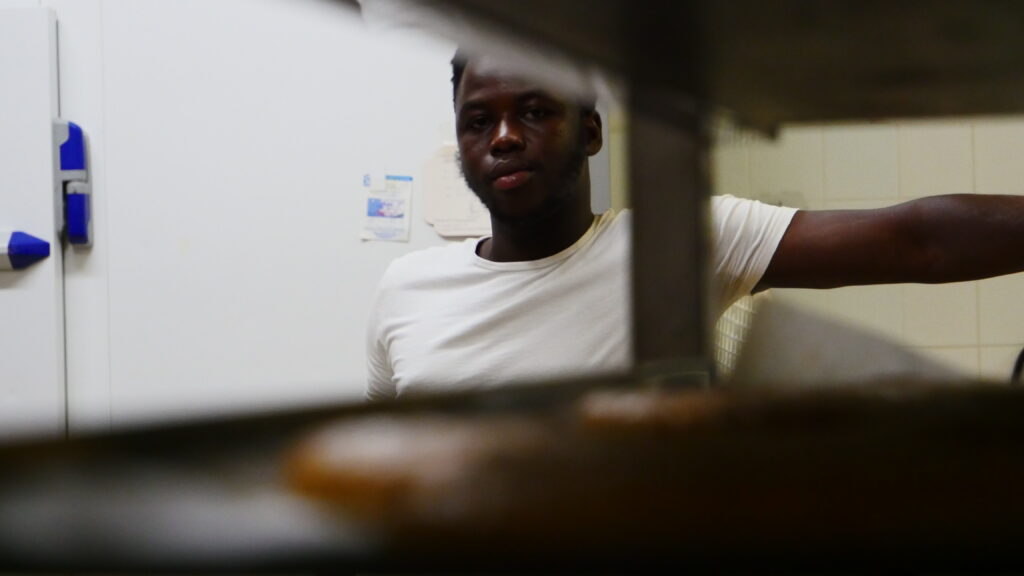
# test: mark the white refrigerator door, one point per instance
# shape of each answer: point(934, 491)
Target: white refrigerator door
point(229, 181)
point(32, 380)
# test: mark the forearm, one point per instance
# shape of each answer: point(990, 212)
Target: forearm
point(966, 237)
point(930, 240)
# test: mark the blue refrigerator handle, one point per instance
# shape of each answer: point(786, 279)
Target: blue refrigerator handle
point(74, 176)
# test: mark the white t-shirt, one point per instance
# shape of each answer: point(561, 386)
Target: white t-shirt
point(445, 318)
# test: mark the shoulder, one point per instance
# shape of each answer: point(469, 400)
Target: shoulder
point(726, 206)
point(612, 228)
point(727, 212)
point(427, 263)
point(614, 221)
point(731, 215)
point(411, 279)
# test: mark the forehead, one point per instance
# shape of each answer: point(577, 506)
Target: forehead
point(486, 79)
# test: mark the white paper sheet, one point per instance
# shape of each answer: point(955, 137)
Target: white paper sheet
point(388, 203)
point(450, 206)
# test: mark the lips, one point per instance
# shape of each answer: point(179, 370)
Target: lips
point(514, 180)
point(510, 175)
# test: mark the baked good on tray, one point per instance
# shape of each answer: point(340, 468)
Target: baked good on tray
point(683, 472)
point(382, 468)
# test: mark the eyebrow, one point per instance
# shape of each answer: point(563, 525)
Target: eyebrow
point(544, 94)
point(480, 103)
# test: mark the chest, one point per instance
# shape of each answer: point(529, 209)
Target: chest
point(497, 327)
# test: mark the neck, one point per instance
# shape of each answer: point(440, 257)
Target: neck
point(512, 243)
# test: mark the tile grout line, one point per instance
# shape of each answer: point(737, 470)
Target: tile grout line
point(977, 284)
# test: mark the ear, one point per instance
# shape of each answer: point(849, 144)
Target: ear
point(592, 132)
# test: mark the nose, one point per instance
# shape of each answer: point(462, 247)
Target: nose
point(507, 138)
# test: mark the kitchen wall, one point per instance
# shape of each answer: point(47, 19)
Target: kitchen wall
point(228, 142)
point(975, 326)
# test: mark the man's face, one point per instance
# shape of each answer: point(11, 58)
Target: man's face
point(522, 148)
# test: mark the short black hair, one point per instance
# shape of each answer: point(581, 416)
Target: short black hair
point(459, 62)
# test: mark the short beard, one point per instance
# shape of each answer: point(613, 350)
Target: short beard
point(567, 190)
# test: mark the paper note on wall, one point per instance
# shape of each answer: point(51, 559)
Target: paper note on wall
point(388, 202)
point(450, 206)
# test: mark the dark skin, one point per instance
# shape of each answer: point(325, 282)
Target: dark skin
point(505, 121)
point(931, 240)
point(520, 150)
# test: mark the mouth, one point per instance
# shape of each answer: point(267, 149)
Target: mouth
point(511, 175)
point(513, 180)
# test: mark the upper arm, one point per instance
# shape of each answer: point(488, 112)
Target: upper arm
point(746, 234)
point(380, 381)
point(380, 374)
point(828, 249)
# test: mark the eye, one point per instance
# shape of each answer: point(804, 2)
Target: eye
point(476, 123)
point(536, 113)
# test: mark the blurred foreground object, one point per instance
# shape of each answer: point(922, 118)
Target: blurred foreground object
point(589, 476)
point(771, 62)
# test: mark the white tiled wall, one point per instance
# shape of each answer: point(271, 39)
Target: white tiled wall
point(861, 163)
point(975, 326)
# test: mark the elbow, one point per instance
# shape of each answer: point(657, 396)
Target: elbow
point(930, 253)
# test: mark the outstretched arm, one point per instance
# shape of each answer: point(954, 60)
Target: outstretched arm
point(931, 240)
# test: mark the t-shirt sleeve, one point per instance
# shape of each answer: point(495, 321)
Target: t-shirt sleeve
point(745, 235)
point(380, 383)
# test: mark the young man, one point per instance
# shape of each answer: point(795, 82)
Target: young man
point(547, 295)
